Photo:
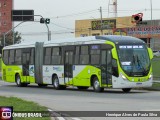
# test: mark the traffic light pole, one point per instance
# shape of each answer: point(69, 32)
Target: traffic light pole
point(4, 35)
point(49, 37)
point(101, 20)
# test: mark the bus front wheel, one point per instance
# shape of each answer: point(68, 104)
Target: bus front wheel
point(96, 85)
point(126, 90)
point(56, 83)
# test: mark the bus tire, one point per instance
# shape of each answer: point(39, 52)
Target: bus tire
point(96, 85)
point(55, 82)
point(82, 87)
point(126, 90)
point(56, 85)
point(18, 81)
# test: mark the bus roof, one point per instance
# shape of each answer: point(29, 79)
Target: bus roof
point(25, 44)
point(117, 39)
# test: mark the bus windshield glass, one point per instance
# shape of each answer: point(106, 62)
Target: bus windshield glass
point(134, 59)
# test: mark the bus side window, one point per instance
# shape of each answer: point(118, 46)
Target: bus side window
point(84, 56)
point(32, 57)
point(47, 56)
point(56, 56)
point(11, 57)
point(5, 56)
point(18, 56)
point(95, 54)
point(77, 55)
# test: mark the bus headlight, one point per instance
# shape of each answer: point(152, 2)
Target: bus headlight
point(123, 77)
point(150, 77)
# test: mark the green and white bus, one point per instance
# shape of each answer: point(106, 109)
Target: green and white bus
point(97, 61)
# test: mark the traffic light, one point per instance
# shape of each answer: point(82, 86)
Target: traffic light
point(137, 18)
point(47, 20)
point(42, 20)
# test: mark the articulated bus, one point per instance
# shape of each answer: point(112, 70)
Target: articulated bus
point(96, 61)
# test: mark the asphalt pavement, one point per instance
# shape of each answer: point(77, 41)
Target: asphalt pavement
point(149, 88)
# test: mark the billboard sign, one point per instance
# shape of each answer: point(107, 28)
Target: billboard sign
point(22, 15)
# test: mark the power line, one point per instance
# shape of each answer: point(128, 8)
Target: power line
point(44, 33)
point(61, 26)
point(75, 14)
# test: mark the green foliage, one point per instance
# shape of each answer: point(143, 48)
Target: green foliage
point(0, 64)
point(156, 85)
point(9, 38)
point(156, 68)
point(21, 105)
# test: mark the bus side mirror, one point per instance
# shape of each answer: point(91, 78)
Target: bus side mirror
point(150, 53)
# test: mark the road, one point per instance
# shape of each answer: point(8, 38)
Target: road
point(87, 100)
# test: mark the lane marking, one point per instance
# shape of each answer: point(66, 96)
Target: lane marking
point(76, 119)
point(50, 110)
point(61, 118)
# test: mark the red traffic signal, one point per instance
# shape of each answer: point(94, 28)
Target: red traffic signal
point(137, 18)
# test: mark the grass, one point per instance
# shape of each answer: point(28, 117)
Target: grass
point(156, 68)
point(21, 105)
point(0, 64)
point(155, 85)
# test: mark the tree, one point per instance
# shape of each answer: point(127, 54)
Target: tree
point(9, 38)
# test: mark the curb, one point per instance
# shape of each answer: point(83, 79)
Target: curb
point(152, 89)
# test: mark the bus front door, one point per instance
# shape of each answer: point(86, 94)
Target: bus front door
point(68, 65)
point(25, 65)
point(106, 67)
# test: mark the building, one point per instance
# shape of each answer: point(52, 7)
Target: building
point(147, 30)
point(93, 27)
point(5, 15)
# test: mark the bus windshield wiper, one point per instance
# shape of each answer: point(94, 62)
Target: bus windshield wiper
point(133, 63)
point(140, 65)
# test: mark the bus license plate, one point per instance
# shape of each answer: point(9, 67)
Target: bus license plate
point(138, 83)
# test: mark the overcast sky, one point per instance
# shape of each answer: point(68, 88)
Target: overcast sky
point(63, 14)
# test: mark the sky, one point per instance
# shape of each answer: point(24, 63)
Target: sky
point(63, 14)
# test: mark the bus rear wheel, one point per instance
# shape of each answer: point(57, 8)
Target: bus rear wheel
point(18, 81)
point(56, 84)
point(126, 90)
point(96, 85)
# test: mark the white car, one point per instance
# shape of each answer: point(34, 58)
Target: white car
point(156, 53)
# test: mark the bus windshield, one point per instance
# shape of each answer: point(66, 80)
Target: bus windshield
point(134, 59)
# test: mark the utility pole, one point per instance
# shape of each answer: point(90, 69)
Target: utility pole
point(151, 22)
point(101, 20)
point(49, 33)
point(151, 10)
